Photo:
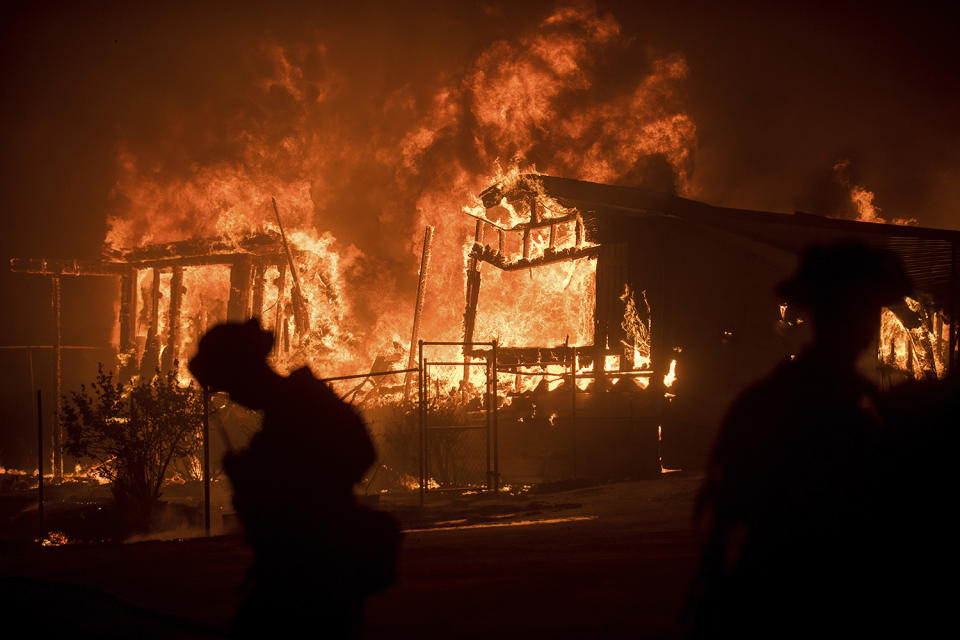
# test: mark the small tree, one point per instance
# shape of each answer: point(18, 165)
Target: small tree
point(133, 432)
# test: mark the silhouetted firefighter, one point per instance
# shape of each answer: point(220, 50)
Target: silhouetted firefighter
point(317, 554)
point(793, 503)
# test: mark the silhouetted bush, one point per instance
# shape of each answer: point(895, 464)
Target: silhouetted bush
point(133, 432)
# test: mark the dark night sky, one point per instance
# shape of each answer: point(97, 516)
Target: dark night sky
point(778, 91)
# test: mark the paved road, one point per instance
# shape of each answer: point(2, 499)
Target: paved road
point(604, 562)
point(576, 579)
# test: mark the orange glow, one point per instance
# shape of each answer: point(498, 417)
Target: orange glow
point(518, 100)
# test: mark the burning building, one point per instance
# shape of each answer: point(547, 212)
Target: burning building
point(615, 324)
point(683, 303)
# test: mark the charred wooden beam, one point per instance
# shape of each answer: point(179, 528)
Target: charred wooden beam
point(488, 255)
point(540, 223)
point(225, 259)
point(262, 244)
point(42, 266)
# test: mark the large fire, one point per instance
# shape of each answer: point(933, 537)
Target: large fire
point(517, 102)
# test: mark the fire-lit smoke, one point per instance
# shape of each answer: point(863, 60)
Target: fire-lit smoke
point(862, 198)
point(355, 185)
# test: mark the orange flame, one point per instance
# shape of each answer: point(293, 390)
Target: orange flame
point(519, 102)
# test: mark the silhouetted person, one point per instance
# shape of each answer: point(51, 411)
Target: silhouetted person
point(922, 420)
point(792, 505)
point(317, 554)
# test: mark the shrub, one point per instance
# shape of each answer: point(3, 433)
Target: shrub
point(133, 432)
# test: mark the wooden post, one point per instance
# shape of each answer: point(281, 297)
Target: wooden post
point(239, 302)
point(421, 417)
point(151, 350)
point(172, 354)
point(534, 214)
point(488, 425)
point(58, 384)
point(496, 422)
point(418, 308)
point(573, 407)
point(43, 532)
point(301, 316)
point(278, 320)
point(128, 310)
point(155, 304)
point(470, 314)
point(259, 283)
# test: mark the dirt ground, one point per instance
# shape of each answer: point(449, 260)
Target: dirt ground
point(606, 561)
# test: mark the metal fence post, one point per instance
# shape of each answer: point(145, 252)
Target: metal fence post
point(496, 423)
point(420, 418)
point(573, 408)
point(488, 419)
point(43, 532)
